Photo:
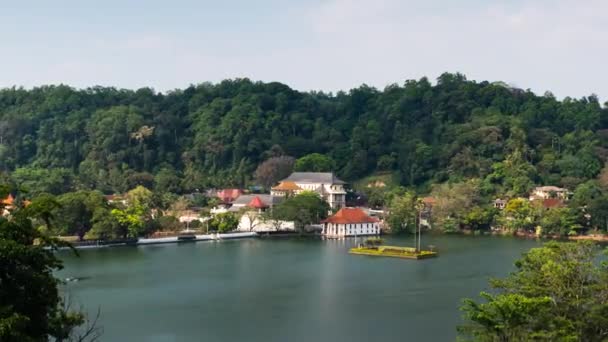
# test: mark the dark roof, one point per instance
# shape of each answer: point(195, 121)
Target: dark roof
point(244, 200)
point(314, 177)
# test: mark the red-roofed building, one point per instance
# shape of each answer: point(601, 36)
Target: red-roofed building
point(8, 201)
point(350, 222)
point(257, 203)
point(229, 195)
point(6, 204)
point(552, 203)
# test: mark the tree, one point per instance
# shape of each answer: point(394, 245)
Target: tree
point(223, 223)
point(303, 209)
point(403, 213)
point(557, 293)
point(273, 170)
point(518, 214)
point(315, 162)
point(130, 220)
point(31, 307)
point(76, 211)
point(453, 202)
point(167, 180)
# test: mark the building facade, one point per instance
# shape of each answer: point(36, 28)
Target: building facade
point(350, 222)
point(326, 184)
point(546, 192)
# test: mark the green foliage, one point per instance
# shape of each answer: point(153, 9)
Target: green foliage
point(454, 204)
point(303, 209)
point(56, 139)
point(556, 294)
point(315, 162)
point(130, 220)
point(403, 213)
point(223, 223)
point(77, 210)
point(31, 308)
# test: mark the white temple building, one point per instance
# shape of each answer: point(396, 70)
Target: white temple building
point(350, 222)
point(326, 184)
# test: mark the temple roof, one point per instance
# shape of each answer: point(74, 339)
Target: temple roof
point(287, 186)
point(350, 216)
point(8, 200)
point(257, 203)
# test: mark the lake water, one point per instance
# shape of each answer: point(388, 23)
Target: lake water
point(284, 290)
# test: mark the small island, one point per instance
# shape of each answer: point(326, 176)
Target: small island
point(374, 247)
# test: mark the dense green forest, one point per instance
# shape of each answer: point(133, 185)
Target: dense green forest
point(57, 139)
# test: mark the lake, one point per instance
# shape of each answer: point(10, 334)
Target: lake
point(284, 290)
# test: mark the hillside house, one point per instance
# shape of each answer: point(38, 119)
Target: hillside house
point(546, 192)
point(326, 184)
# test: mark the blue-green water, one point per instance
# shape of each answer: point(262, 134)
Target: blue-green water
point(284, 290)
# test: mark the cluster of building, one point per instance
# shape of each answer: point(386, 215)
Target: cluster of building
point(548, 196)
point(345, 222)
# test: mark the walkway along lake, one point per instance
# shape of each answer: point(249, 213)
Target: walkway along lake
point(284, 290)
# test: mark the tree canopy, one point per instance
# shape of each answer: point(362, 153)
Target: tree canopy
point(557, 293)
point(57, 139)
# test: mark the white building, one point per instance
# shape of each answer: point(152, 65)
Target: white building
point(350, 222)
point(252, 218)
point(326, 184)
point(546, 192)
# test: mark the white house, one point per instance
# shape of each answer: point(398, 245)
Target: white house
point(350, 222)
point(252, 218)
point(546, 192)
point(326, 184)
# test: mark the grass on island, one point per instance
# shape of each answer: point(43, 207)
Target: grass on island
point(393, 251)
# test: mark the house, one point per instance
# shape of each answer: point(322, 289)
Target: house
point(326, 184)
point(6, 204)
point(550, 203)
point(546, 192)
point(116, 199)
point(229, 195)
point(242, 202)
point(350, 222)
point(500, 203)
point(253, 219)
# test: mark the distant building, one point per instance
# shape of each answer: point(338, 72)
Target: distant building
point(326, 184)
point(350, 222)
point(6, 204)
point(552, 203)
point(500, 203)
point(253, 220)
point(116, 199)
point(243, 201)
point(229, 195)
point(546, 192)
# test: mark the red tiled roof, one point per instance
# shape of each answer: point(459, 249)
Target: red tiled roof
point(229, 195)
point(8, 200)
point(552, 203)
point(287, 186)
point(429, 200)
point(350, 215)
point(257, 203)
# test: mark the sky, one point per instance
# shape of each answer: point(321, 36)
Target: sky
point(544, 45)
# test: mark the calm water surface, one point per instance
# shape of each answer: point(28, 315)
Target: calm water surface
point(284, 290)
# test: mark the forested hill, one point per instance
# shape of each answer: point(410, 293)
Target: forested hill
point(57, 138)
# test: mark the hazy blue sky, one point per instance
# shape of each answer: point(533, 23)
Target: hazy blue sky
point(556, 45)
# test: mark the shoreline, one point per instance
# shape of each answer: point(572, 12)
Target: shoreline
point(167, 240)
